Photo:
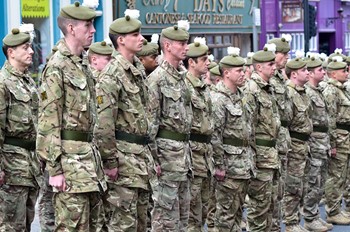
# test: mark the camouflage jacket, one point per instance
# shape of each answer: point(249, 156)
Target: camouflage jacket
point(202, 124)
point(301, 120)
point(261, 104)
point(68, 104)
point(171, 110)
point(284, 105)
point(338, 104)
point(18, 118)
point(319, 140)
point(122, 100)
point(231, 122)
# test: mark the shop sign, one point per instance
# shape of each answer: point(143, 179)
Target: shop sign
point(35, 8)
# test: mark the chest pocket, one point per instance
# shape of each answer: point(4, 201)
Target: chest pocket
point(265, 110)
point(76, 92)
point(318, 102)
point(171, 103)
point(344, 111)
point(20, 105)
point(280, 93)
point(198, 103)
point(129, 99)
point(234, 117)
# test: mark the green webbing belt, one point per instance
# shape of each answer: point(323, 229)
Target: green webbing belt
point(236, 142)
point(131, 138)
point(19, 142)
point(300, 136)
point(167, 134)
point(200, 138)
point(76, 135)
point(265, 143)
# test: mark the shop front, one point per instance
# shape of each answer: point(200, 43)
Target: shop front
point(224, 23)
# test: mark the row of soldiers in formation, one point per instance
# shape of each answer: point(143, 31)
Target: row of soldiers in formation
point(109, 140)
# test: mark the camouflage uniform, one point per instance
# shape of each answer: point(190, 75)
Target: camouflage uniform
point(202, 128)
point(171, 110)
point(346, 193)
point(232, 154)
point(300, 129)
point(212, 201)
point(317, 163)
point(339, 120)
point(278, 82)
point(262, 106)
point(67, 113)
point(18, 121)
point(121, 132)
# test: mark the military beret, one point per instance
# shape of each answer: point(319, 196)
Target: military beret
point(337, 52)
point(296, 63)
point(78, 12)
point(101, 48)
point(148, 49)
point(197, 48)
point(282, 44)
point(265, 55)
point(177, 32)
point(249, 59)
point(212, 65)
point(127, 24)
point(215, 70)
point(16, 38)
point(313, 62)
point(232, 59)
point(347, 60)
point(336, 63)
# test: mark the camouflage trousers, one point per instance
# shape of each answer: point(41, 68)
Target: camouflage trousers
point(277, 194)
point(316, 174)
point(171, 206)
point(199, 203)
point(229, 204)
point(17, 207)
point(294, 188)
point(211, 204)
point(126, 208)
point(46, 209)
point(260, 205)
point(338, 170)
point(78, 211)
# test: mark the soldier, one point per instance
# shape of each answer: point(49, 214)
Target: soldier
point(338, 103)
point(99, 55)
point(19, 164)
point(202, 127)
point(66, 119)
point(262, 106)
point(317, 164)
point(248, 65)
point(232, 157)
point(122, 128)
point(285, 110)
point(149, 54)
point(300, 128)
point(172, 114)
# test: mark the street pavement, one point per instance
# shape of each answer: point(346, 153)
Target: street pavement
point(337, 228)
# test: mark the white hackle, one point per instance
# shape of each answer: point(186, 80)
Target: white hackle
point(183, 24)
point(93, 4)
point(338, 51)
point(314, 55)
point(323, 56)
point(299, 54)
point(271, 47)
point(28, 28)
point(200, 40)
point(211, 57)
point(250, 54)
point(155, 38)
point(233, 51)
point(134, 14)
point(287, 37)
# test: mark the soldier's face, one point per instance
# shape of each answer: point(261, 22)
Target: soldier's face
point(267, 70)
point(22, 55)
point(99, 61)
point(178, 49)
point(318, 74)
point(84, 31)
point(281, 60)
point(236, 76)
point(302, 76)
point(133, 42)
point(201, 66)
point(341, 75)
point(150, 62)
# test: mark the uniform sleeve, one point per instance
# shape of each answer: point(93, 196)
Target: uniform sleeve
point(219, 118)
point(330, 97)
point(48, 143)
point(107, 91)
point(3, 107)
point(154, 114)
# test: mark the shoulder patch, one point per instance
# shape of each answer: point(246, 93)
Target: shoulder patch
point(43, 95)
point(99, 100)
